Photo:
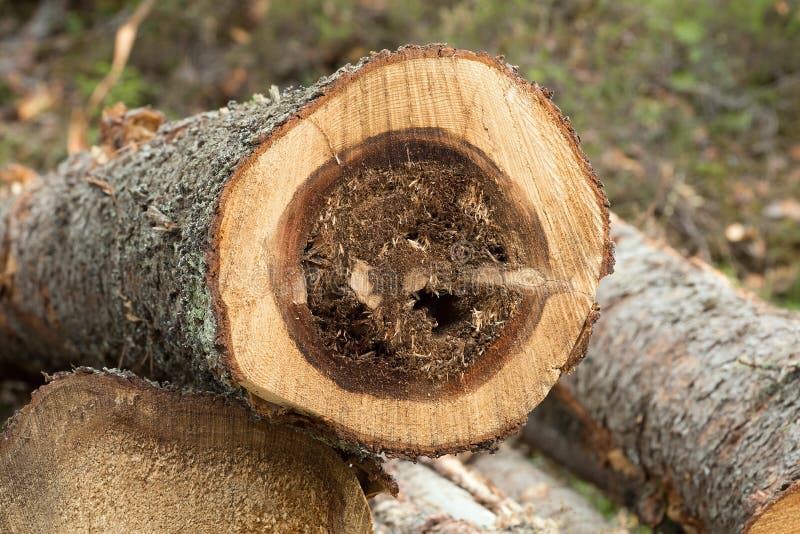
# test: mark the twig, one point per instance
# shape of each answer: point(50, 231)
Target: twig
point(123, 44)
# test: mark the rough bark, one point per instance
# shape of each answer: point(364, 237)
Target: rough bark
point(546, 495)
point(687, 405)
point(150, 253)
point(104, 263)
point(447, 497)
point(110, 452)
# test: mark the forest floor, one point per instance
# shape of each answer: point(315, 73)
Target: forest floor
point(689, 111)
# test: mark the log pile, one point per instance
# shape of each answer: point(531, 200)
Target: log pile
point(326, 292)
point(400, 259)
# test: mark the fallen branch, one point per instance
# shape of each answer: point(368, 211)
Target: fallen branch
point(545, 495)
point(430, 501)
point(123, 44)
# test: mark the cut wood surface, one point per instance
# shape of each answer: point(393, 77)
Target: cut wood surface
point(687, 405)
point(404, 254)
point(108, 452)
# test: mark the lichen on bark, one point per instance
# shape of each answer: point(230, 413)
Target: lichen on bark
point(114, 254)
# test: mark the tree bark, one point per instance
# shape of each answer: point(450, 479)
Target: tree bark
point(687, 405)
point(194, 252)
point(486, 493)
point(513, 473)
point(110, 452)
point(446, 496)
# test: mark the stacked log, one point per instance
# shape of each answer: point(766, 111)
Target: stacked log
point(503, 492)
point(687, 406)
point(109, 452)
point(402, 257)
point(549, 496)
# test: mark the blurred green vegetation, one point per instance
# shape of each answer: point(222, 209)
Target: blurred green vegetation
point(690, 111)
point(616, 515)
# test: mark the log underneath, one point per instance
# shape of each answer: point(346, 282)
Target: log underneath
point(688, 404)
point(431, 502)
point(405, 253)
point(109, 452)
point(502, 492)
point(549, 497)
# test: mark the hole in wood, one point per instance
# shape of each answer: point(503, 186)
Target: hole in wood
point(389, 266)
point(393, 242)
point(444, 309)
point(393, 249)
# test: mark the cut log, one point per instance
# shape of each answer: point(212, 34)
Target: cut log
point(405, 253)
point(108, 452)
point(548, 497)
point(687, 406)
point(447, 497)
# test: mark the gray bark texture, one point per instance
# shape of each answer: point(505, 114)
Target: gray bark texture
point(451, 498)
point(104, 263)
point(515, 474)
point(687, 404)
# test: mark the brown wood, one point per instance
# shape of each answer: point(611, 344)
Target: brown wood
point(687, 406)
point(109, 452)
point(191, 253)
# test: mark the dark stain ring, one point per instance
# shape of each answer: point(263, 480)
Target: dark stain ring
point(385, 149)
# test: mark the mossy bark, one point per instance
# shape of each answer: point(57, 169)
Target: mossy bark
point(686, 405)
point(105, 264)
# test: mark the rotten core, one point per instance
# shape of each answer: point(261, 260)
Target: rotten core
point(391, 266)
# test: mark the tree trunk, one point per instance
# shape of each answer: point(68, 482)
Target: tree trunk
point(551, 498)
point(109, 452)
point(687, 405)
point(492, 492)
point(405, 253)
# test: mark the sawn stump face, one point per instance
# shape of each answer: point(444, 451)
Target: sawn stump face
point(438, 322)
point(103, 452)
